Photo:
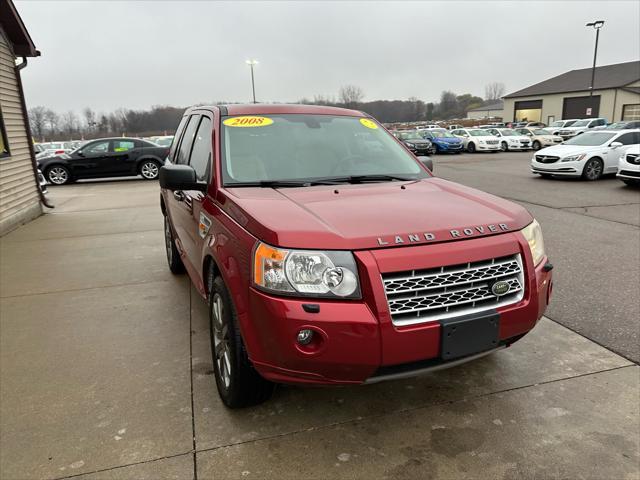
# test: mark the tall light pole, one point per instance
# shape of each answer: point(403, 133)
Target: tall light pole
point(597, 25)
point(251, 63)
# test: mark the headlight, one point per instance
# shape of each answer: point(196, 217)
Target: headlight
point(574, 158)
point(410, 145)
point(481, 141)
point(533, 234)
point(306, 272)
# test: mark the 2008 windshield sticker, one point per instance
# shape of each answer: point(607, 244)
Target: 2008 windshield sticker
point(248, 121)
point(368, 123)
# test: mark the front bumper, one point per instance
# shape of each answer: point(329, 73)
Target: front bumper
point(448, 147)
point(356, 340)
point(567, 169)
point(629, 174)
point(488, 148)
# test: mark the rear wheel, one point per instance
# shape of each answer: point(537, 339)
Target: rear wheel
point(536, 145)
point(58, 175)
point(471, 147)
point(592, 169)
point(149, 169)
point(239, 384)
point(173, 256)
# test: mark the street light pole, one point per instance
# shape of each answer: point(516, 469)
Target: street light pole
point(251, 63)
point(597, 25)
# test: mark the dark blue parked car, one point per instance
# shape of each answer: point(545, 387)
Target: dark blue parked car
point(443, 141)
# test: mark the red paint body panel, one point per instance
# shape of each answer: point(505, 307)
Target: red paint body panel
point(375, 221)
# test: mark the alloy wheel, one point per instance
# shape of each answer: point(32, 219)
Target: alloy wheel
point(593, 170)
point(221, 347)
point(149, 170)
point(58, 175)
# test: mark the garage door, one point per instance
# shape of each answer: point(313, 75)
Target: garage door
point(631, 112)
point(581, 107)
point(528, 111)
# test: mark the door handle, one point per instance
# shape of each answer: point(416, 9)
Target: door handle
point(178, 195)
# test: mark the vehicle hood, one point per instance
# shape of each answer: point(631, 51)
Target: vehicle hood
point(485, 138)
point(46, 160)
point(366, 216)
point(573, 129)
point(518, 138)
point(563, 150)
point(421, 141)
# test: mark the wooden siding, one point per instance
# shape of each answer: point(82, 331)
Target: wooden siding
point(19, 197)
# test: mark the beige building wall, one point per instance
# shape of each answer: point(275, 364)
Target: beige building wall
point(611, 102)
point(19, 198)
point(479, 115)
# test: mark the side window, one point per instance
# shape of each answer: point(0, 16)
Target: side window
point(176, 138)
point(97, 148)
point(182, 156)
point(200, 158)
point(628, 138)
point(123, 145)
point(4, 144)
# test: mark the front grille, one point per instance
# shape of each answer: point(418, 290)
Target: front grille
point(629, 173)
point(633, 158)
point(546, 159)
point(492, 142)
point(430, 295)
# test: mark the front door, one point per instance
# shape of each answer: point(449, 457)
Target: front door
point(90, 160)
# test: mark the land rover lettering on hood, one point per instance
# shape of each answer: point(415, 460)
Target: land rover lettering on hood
point(330, 255)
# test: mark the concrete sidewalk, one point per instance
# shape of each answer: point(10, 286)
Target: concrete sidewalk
point(105, 372)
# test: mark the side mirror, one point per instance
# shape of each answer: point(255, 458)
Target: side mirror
point(180, 177)
point(427, 162)
point(529, 134)
point(615, 145)
point(81, 153)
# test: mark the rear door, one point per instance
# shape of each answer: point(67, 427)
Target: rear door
point(122, 157)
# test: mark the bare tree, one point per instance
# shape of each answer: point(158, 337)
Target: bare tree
point(350, 94)
point(69, 122)
point(494, 91)
point(90, 118)
point(37, 120)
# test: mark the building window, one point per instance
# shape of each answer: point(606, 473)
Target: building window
point(4, 143)
point(631, 112)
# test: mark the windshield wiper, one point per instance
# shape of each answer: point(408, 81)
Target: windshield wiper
point(367, 178)
point(283, 183)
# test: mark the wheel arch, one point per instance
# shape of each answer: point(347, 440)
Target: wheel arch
point(144, 158)
point(209, 263)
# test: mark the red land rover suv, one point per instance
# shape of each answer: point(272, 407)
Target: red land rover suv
point(329, 254)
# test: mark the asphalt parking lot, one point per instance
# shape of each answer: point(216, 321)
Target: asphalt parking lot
point(105, 368)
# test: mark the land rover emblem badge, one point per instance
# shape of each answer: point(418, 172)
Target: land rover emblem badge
point(499, 288)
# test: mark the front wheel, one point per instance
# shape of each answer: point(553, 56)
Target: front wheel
point(504, 147)
point(471, 147)
point(149, 169)
point(239, 384)
point(58, 175)
point(592, 169)
point(536, 145)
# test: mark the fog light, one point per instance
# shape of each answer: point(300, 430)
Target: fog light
point(305, 336)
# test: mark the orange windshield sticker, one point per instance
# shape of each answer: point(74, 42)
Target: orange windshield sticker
point(368, 123)
point(248, 121)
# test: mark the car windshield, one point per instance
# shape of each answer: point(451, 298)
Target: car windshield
point(581, 123)
point(299, 147)
point(507, 133)
point(541, 131)
point(617, 126)
point(559, 123)
point(479, 133)
point(442, 134)
point(409, 136)
point(164, 142)
point(590, 139)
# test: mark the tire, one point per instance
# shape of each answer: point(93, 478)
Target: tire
point(173, 256)
point(239, 384)
point(631, 183)
point(149, 169)
point(504, 147)
point(471, 148)
point(536, 145)
point(545, 175)
point(58, 175)
point(593, 169)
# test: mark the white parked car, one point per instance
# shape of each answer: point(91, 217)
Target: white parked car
point(510, 139)
point(558, 125)
point(629, 166)
point(477, 140)
point(589, 155)
point(581, 126)
point(540, 137)
point(427, 127)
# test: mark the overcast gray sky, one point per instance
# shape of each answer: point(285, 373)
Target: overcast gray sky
point(136, 54)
